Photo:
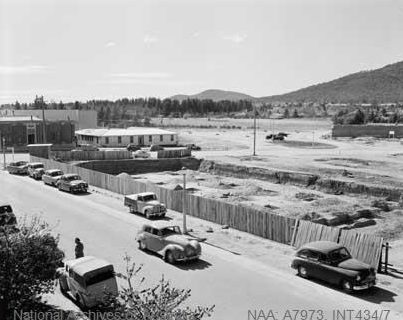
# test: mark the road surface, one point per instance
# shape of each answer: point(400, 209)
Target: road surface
point(239, 287)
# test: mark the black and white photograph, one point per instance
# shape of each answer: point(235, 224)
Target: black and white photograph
point(201, 159)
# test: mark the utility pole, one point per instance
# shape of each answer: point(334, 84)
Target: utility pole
point(184, 201)
point(3, 140)
point(43, 123)
point(254, 129)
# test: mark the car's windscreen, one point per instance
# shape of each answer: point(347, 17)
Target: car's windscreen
point(5, 209)
point(56, 173)
point(339, 255)
point(36, 166)
point(149, 197)
point(99, 277)
point(170, 230)
point(71, 178)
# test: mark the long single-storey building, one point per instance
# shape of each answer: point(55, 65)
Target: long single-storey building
point(140, 136)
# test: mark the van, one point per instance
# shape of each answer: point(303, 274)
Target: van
point(89, 280)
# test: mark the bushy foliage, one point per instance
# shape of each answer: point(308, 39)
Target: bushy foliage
point(29, 257)
point(162, 301)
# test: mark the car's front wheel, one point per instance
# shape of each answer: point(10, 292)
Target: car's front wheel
point(302, 272)
point(347, 286)
point(169, 257)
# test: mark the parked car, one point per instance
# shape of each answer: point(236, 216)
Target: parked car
point(38, 173)
point(169, 242)
point(277, 136)
point(192, 146)
point(88, 280)
point(33, 166)
point(132, 147)
point(51, 176)
point(142, 154)
point(7, 216)
point(332, 262)
point(18, 167)
point(156, 147)
point(145, 203)
point(72, 182)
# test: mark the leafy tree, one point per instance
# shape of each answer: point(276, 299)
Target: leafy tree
point(162, 301)
point(29, 258)
point(295, 114)
point(286, 113)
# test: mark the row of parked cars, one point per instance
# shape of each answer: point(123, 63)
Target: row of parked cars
point(70, 182)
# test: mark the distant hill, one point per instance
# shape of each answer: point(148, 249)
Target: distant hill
point(215, 95)
point(381, 85)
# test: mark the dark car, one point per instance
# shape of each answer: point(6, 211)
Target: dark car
point(7, 217)
point(192, 146)
point(19, 167)
point(333, 263)
point(132, 147)
point(277, 136)
point(156, 147)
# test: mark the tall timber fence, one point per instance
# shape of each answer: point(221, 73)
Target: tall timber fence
point(271, 226)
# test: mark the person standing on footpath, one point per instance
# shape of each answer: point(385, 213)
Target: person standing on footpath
point(79, 248)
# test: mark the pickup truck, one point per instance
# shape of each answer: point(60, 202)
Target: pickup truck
point(145, 203)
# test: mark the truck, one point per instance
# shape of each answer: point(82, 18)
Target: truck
point(145, 203)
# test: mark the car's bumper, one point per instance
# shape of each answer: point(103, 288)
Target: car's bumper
point(80, 189)
point(158, 214)
point(189, 258)
point(366, 285)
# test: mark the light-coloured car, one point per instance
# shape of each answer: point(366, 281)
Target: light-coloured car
point(141, 154)
point(32, 169)
point(168, 241)
point(51, 176)
point(145, 203)
point(72, 182)
point(88, 280)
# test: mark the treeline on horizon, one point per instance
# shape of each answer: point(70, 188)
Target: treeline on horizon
point(373, 114)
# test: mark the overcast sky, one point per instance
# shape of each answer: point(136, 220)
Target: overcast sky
point(79, 50)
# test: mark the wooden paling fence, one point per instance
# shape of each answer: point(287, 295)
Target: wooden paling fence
point(179, 153)
point(81, 155)
point(364, 247)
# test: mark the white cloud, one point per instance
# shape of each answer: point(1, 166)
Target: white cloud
point(236, 37)
point(148, 39)
point(16, 70)
point(110, 44)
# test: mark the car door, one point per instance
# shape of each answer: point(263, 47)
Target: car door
point(154, 242)
point(313, 264)
point(329, 272)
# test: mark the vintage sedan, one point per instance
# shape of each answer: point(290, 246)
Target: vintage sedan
point(169, 242)
point(73, 183)
point(19, 167)
point(332, 262)
point(51, 176)
point(33, 168)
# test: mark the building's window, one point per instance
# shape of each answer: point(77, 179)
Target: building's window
point(119, 139)
point(106, 140)
point(172, 137)
point(150, 138)
point(161, 137)
point(131, 139)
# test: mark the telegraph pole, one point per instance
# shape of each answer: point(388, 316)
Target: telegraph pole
point(254, 129)
point(184, 201)
point(3, 146)
point(43, 122)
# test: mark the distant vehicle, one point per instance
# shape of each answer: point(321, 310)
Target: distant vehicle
point(142, 154)
point(192, 146)
point(89, 280)
point(331, 262)
point(72, 182)
point(7, 216)
point(51, 176)
point(132, 147)
point(278, 136)
point(19, 167)
point(156, 147)
point(38, 173)
point(32, 166)
point(169, 242)
point(87, 147)
point(145, 203)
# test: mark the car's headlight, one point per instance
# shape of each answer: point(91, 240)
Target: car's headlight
point(358, 277)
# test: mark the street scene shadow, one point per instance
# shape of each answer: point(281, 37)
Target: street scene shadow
point(375, 294)
point(198, 264)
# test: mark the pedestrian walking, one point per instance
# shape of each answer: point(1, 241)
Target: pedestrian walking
point(79, 248)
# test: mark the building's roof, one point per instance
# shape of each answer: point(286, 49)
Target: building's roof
point(322, 246)
point(132, 131)
point(87, 264)
point(19, 119)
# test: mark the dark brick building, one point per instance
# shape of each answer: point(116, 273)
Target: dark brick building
point(21, 131)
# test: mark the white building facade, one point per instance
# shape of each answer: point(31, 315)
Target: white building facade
point(140, 136)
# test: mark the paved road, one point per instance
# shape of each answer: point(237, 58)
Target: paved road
point(233, 283)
